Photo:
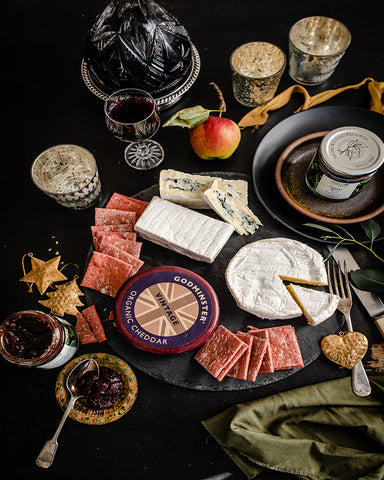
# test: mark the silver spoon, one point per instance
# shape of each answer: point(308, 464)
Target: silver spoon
point(47, 454)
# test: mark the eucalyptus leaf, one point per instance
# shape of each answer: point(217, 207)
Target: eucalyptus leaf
point(188, 117)
point(368, 279)
point(371, 228)
point(320, 227)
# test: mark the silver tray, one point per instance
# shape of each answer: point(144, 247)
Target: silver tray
point(162, 102)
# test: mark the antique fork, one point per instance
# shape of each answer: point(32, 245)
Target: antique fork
point(339, 285)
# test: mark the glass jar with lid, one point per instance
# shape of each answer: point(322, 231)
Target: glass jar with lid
point(36, 339)
point(347, 158)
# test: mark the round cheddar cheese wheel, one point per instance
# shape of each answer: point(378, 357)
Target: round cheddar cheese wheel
point(166, 310)
point(256, 273)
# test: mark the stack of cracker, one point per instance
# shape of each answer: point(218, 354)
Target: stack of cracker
point(245, 355)
point(116, 255)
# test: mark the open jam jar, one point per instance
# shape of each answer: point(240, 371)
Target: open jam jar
point(35, 339)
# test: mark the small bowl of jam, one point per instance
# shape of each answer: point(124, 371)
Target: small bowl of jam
point(107, 396)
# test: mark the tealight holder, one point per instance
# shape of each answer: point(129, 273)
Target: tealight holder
point(316, 46)
point(256, 68)
point(68, 174)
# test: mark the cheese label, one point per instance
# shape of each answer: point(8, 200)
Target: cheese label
point(166, 310)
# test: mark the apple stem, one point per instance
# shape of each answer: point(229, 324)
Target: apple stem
point(222, 107)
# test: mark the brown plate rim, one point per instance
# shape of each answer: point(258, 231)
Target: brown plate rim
point(279, 183)
point(80, 412)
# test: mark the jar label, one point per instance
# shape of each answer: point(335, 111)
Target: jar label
point(335, 190)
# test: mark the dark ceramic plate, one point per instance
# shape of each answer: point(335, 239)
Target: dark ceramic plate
point(283, 134)
point(290, 180)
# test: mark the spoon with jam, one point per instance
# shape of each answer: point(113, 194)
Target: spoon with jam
point(47, 454)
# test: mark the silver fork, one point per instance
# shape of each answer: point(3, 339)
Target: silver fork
point(339, 285)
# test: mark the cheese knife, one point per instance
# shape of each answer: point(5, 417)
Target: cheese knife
point(370, 301)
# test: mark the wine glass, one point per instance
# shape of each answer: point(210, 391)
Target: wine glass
point(131, 115)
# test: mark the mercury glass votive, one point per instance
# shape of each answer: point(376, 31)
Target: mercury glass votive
point(256, 68)
point(68, 174)
point(316, 46)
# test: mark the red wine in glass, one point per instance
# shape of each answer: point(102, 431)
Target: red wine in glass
point(131, 116)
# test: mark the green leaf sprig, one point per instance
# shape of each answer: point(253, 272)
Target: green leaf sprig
point(367, 279)
point(193, 116)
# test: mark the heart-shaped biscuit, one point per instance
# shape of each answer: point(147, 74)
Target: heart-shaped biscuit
point(345, 349)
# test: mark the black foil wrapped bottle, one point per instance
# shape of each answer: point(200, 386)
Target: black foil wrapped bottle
point(138, 44)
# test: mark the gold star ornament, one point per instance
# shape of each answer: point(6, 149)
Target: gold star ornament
point(43, 274)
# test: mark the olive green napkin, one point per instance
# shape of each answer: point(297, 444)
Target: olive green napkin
point(321, 431)
point(259, 115)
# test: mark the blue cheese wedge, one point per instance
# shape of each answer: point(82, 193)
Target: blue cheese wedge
point(231, 208)
point(316, 305)
point(187, 189)
point(183, 230)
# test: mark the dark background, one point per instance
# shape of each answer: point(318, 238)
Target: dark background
point(45, 102)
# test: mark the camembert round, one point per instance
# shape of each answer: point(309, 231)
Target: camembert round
point(255, 276)
point(166, 310)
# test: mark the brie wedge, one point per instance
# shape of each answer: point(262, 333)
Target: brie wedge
point(183, 230)
point(231, 208)
point(187, 189)
point(316, 305)
point(255, 276)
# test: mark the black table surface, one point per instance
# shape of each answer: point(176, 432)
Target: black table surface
point(47, 103)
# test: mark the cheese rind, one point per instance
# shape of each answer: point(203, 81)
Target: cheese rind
point(254, 276)
point(316, 305)
point(231, 208)
point(187, 189)
point(183, 230)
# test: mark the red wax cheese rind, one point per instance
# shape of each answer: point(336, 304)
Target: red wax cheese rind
point(220, 353)
point(267, 363)
point(92, 317)
point(110, 216)
point(285, 348)
point(122, 202)
point(113, 237)
point(128, 246)
point(259, 346)
point(106, 274)
point(240, 369)
point(124, 256)
point(85, 333)
point(166, 310)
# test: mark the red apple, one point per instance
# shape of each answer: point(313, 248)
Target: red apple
point(216, 137)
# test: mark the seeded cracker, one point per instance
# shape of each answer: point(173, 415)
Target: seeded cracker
point(121, 202)
point(113, 236)
point(107, 216)
point(221, 351)
point(128, 246)
point(240, 369)
point(112, 251)
point(106, 274)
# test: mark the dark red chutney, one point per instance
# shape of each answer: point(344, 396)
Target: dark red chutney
point(27, 337)
point(101, 391)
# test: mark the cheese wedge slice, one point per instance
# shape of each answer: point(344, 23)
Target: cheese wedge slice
point(231, 208)
point(187, 189)
point(316, 305)
point(183, 230)
point(255, 276)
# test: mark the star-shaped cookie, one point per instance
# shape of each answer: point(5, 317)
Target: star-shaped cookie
point(44, 273)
